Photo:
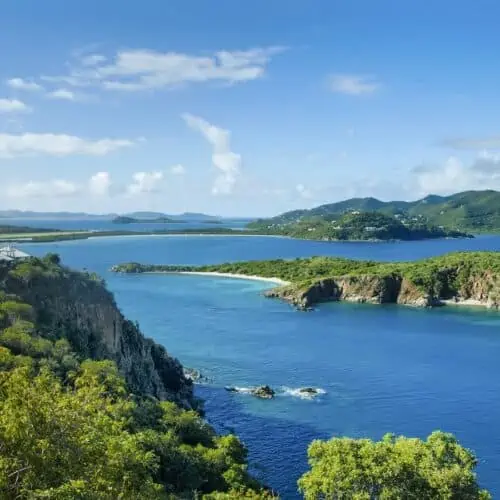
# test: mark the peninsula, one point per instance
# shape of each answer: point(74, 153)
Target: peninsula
point(355, 226)
point(468, 211)
point(468, 278)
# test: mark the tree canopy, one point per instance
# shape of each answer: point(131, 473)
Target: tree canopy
point(438, 468)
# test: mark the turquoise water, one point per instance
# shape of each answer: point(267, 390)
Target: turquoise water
point(384, 368)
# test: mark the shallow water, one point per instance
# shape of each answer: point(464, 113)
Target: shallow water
point(384, 368)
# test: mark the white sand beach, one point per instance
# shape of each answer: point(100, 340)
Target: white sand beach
point(277, 281)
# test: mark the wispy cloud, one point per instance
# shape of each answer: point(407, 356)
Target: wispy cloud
point(21, 84)
point(13, 106)
point(177, 169)
point(453, 175)
point(46, 189)
point(64, 94)
point(100, 184)
point(354, 85)
point(224, 160)
point(145, 182)
point(135, 70)
point(57, 145)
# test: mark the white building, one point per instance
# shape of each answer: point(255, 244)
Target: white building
point(9, 253)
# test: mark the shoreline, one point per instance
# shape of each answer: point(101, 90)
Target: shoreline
point(465, 303)
point(214, 274)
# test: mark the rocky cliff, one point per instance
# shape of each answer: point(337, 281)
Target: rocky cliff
point(479, 289)
point(77, 306)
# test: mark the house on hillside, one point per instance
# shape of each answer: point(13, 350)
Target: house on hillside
point(10, 253)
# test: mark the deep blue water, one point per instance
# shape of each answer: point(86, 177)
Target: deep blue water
point(384, 368)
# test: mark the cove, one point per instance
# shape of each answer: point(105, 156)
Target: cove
point(384, 368)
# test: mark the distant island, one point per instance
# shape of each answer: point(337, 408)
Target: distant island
point(469, 211)
point(468, 278)
point(355, 226)
point(123, 219)
point(30, 214)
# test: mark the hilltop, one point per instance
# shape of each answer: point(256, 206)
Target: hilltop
point(472, 211)
point(354, 225)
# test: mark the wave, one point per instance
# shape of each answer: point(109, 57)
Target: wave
point(297, 392)
point(303, 392)
point(243, 390)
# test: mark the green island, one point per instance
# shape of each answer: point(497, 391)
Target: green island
point(91, 409)
point(469, 211)
point(355, 226)
point(457, 278)
point(124, 219)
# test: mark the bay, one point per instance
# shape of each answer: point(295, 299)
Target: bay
point(383, 368)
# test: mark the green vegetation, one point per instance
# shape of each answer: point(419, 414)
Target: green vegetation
point(23, 229)
point(123, 219)
point(470, 211)
point(72, 428)
point(460, 276)
point(74, 425)
point(55, 235)
point(393, 468)
point(353, 226)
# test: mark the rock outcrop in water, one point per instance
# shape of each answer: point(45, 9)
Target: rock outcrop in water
point(77, 306)
point(262, 392)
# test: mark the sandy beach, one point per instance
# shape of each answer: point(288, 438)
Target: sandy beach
point(276, 281)
point(464, 302)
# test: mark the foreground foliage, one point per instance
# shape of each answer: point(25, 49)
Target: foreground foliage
point(393, 468)
point(71, 428)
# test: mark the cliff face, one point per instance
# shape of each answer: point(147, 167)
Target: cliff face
point(73, 305)
point(481, 289)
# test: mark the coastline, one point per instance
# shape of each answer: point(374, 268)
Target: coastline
point(276, 281)
point(465, 302)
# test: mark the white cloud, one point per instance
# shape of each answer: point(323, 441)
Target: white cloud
point(134, 70)
point(226, 161)
point(13, 106)
point(453, 176)
point(63, 94)
point(57, 145)
point(100, 184)
point(145, 182)
point(20, 84)
point(178, 169)
point(92, 59)
point(48, 189)
point(353, 84)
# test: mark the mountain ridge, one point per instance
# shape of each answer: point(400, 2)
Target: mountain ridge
point(467, 210)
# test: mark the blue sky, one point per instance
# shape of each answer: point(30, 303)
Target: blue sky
point(245, 108)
